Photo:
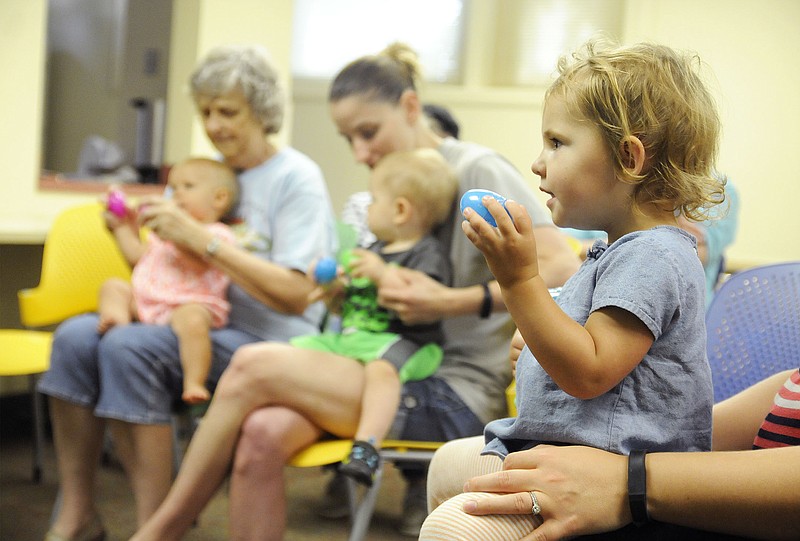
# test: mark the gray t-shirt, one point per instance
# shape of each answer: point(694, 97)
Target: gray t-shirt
point(476, 361)
point(664, 404)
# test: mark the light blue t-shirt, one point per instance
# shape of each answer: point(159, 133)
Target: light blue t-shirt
point(284, 216)
point(664, 404)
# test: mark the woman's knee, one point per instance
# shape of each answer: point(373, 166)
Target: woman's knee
point(76, 337)
point(124, 350)
point(252, 364)
point(271, 436)
point(262, 443)
point(453, 464)
point(450, 521)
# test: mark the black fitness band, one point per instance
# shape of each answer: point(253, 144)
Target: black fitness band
point(637, 487)
point(486, 306)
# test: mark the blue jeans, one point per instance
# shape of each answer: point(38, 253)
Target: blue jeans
point(131, 373)
point(431, 411)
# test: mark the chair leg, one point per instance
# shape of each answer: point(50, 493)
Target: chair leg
point(38, 430)
point(361, 512)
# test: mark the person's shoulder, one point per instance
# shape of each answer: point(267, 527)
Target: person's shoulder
point(429, 243)
point(665, 243)
point(291, 170)
point(291, 157)
point(478, 166)
point(463, 153)
point(661, 237)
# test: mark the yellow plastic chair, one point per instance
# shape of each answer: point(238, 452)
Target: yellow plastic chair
point(362, 506)
point(27, 353)
point(79, 255)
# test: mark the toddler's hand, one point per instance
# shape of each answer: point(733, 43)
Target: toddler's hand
point(116, 211)
point(366, 264)
point(509, 248)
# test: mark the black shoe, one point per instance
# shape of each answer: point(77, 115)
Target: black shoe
point(415, 508)
point(362, 464)
point(334, 503)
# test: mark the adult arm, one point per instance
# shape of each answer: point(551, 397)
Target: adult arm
point(418, 298)
point(737, 419)
point(750, 493)
point(283, 289)
point(583, 490)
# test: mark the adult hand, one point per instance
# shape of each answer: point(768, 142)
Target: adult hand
point(581, 490)
point(414, 296)
point(171, 223)
point(509, 248)
point(331, 293)
point(517, 343)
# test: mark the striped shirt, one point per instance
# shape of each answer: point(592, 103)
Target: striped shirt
point(781, 428)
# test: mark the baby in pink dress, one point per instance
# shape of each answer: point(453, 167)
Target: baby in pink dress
point(171, 286)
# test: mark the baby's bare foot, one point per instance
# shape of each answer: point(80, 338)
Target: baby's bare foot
point(106, 322)
point(194, 393)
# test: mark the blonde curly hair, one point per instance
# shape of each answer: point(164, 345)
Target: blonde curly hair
point(654, 93)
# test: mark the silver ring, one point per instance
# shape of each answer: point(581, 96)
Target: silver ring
point(535, 507)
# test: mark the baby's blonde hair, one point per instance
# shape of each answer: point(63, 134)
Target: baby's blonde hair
point(654, 93)
point(424, 178)
point(222, 175)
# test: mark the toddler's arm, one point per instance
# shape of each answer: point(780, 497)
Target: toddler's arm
point(585, 361)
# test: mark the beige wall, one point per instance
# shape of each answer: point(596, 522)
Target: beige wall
point(749, 44)
point(200, 24)
point(750, 47)
point(197, 27)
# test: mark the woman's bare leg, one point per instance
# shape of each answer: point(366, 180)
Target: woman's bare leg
point(270, 437)
point(146, 454)
point(78, 438)
point(324, 388)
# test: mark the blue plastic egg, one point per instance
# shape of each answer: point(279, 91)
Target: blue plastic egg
point(325, 271)
point(473, 199)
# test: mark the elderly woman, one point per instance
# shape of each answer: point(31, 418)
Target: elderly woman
point(127, 379)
